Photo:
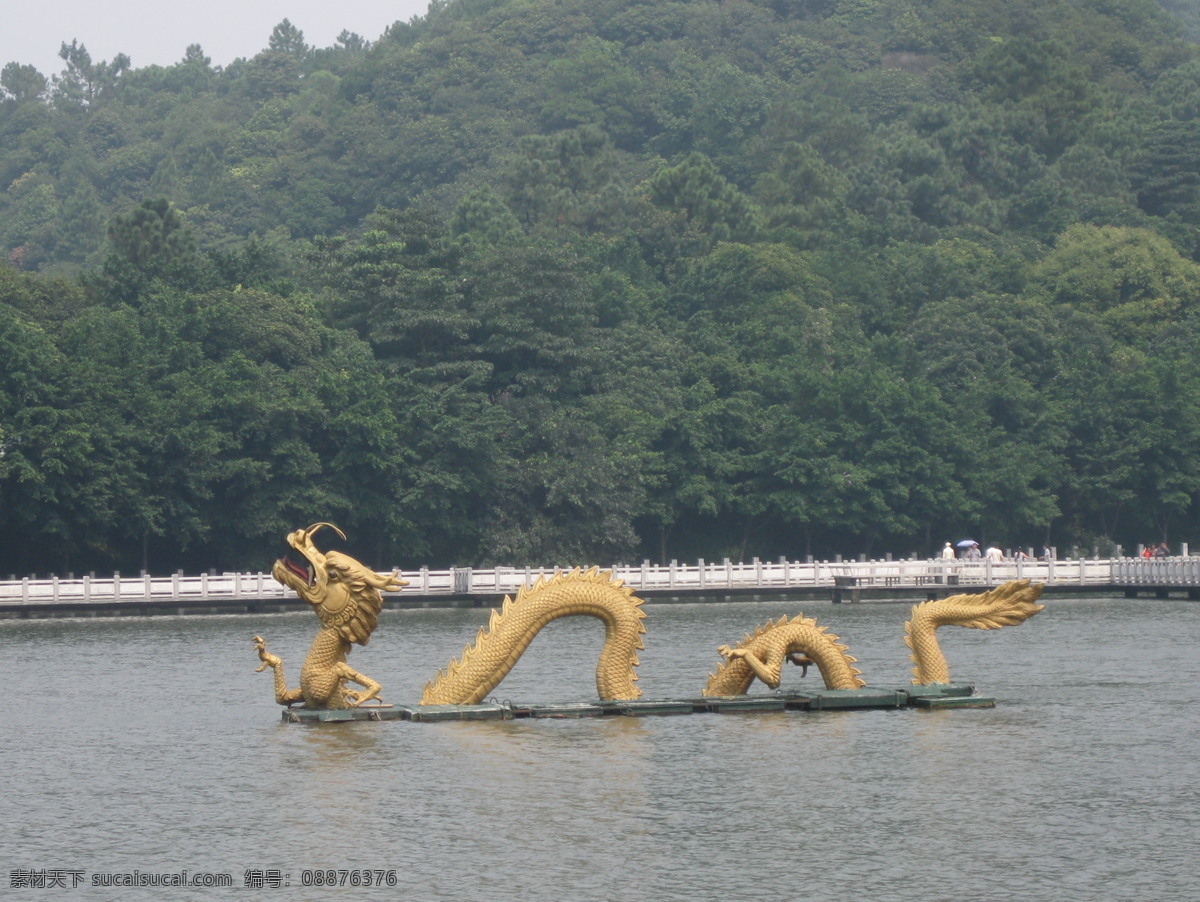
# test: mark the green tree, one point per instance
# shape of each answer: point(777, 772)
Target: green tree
point(593, 85)
point(400, 287)
point(287, 38)
point(802, 198)
point(33, 221)
point(53, 497)
point(988, 357)
point(148, 243)
point(83, 82)
point(1046, 84)
point(83, 225)
point(1134, 280)
point(696, 189)
point(568, 182)
point(22, 83)
point(1166, 173)
point(482, 217)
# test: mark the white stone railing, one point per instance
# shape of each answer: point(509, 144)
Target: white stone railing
point(648, 579)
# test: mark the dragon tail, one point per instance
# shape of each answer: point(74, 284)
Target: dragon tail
point(1006, 605)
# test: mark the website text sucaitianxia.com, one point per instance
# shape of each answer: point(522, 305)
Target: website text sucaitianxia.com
point(251, 878)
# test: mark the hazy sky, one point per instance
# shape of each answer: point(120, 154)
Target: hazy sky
point(158, 32)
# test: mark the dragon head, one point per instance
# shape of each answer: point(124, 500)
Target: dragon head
point(344, 593)
point(309, 576)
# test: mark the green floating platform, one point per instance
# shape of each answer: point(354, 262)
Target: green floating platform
point(841, 699)
point(342, 715)
point(431, 713)
point(951, 701)
point(949, 695)
point(569, 711)
point(737, 704)
point(649, 707)
point(940, 690)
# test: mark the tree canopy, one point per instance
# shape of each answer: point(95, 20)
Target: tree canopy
point(524, 281)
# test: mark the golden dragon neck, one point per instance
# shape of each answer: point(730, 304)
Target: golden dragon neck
point(592, 593)
point(771, 644)
point(920, 635)
point(1010, 604)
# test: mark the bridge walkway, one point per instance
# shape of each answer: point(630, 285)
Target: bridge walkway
point(462, 586)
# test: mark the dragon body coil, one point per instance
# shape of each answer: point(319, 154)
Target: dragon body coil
point(592, 593)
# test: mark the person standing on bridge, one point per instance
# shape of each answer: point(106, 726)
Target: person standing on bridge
point(948, 552)
point(995, 555)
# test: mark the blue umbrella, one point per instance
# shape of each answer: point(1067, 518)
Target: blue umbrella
point(965, 543)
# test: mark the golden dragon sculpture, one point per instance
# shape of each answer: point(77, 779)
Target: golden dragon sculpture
point(592, 593)
point(763, 653)
point(345, 596)
point(1006, 605)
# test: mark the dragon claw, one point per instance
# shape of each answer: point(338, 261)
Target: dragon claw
point(268, 659)
point(355, 698)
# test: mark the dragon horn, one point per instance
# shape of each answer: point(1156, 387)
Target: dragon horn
point(312, 529)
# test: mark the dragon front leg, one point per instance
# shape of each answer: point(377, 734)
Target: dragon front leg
point(282, 695)
point(769, 673)
point(353, 697)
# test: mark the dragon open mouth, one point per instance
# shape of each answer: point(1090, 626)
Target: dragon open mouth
point(302, 570)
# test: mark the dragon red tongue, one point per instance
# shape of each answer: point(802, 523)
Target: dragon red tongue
point(300, 571)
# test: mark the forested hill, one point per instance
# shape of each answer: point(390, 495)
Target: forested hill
point(575, 281)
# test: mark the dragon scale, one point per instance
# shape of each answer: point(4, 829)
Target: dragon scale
point(593, 593)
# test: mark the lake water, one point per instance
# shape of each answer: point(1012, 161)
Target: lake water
point(151, 747)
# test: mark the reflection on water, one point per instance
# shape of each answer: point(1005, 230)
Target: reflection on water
point(151, 745)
